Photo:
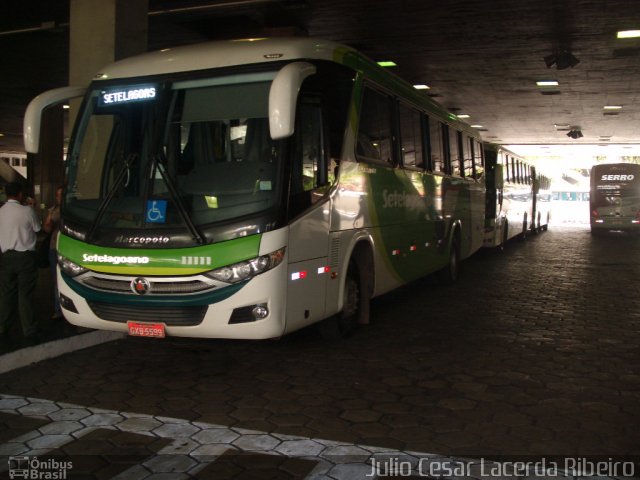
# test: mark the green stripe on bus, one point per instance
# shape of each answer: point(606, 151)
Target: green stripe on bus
point(169, 261)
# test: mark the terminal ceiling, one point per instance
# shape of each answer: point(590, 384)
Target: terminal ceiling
point(480, 58)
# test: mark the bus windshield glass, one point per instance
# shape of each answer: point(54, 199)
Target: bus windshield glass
point(172, 154)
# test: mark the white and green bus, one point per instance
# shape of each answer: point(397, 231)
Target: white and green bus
point(511, 192)
point(247, 189)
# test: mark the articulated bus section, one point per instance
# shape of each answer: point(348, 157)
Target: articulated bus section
point(518, 200)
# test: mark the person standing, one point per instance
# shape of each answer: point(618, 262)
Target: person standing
point(51, 225)
point(18, 227)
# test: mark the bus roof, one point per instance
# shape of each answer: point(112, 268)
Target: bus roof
point(218, 54)
point(230, 53)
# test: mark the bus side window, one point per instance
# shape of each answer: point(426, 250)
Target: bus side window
point(411, 137)
point(436, 146)
point(446, 148)
point(454, 152)
point(467, 156)
point(478, 159)
point(374, 131)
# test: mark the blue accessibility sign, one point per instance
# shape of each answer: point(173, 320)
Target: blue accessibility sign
point(156, 211)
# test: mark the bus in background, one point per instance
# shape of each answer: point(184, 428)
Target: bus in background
point(542, 197)
point(614, 198)
point(17, 161)
point(246, 189)
point(509, 199)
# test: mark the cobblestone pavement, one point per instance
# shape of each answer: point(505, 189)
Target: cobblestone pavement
point(533, 353)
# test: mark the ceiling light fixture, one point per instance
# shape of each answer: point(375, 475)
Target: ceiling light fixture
point(562, 59)
point(463, 115)
point(628, 34)
point(547, 83)
point(612, 107)
point(421, 86)
point(387, 63)
point(477, 126)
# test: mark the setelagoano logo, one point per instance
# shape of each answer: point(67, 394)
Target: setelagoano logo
point(113, 259)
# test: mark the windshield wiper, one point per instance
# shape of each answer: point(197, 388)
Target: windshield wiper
point(124, 173)
point(159, 164)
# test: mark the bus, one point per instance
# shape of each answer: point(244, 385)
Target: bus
point(510, 196)
point(614, 197)
point(18, 163)
point(247, 189)
point(542, 196)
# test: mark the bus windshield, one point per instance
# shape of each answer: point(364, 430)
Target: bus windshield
point(184, 154)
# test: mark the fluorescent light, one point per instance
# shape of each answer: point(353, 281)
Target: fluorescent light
point(612, 107)
point(629, 34)
point(463, 115)
point(477, 126)
point(387, 63)
point(66, 107)
point(547, 83)
point(421, 86)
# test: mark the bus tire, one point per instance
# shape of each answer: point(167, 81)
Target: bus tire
point(355, 308)
point(450, 273)
point(505, 236)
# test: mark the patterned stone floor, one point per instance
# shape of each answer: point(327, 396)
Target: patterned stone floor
point(533, 353)
point(73, 441)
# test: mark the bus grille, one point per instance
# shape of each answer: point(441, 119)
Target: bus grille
point(171, 316)
point(157, 288)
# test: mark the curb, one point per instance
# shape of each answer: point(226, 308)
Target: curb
point(37, 353)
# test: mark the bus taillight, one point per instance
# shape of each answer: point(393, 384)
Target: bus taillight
point(594, 213)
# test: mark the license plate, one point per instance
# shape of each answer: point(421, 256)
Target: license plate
point(137, 329)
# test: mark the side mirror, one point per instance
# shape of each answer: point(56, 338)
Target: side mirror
point(498, 177)
point(283, 97)
point(33, 114)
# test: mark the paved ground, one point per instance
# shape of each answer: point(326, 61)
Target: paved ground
point(533, 353)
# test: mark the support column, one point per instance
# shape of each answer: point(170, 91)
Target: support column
point(102, 31)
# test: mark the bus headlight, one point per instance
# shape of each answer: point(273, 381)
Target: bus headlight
point(239, 272)
point(70, 268)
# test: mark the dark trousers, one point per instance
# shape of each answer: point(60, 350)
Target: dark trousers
point(18, 283)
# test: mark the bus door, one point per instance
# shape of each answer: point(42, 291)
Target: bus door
point(309, 210)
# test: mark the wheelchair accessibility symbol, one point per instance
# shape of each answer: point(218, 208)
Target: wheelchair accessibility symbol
point(156, 211)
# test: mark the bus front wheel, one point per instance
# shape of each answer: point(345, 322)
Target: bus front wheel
point(355, 307)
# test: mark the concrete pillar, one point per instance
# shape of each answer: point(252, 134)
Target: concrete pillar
point(100, 32)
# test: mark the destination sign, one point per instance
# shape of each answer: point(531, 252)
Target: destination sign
point(127, 95)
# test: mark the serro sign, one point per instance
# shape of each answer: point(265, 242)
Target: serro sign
point(619, 178)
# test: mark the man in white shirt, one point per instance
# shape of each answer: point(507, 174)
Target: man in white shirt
point(18, 227)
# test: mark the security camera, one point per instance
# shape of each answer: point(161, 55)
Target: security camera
point(575, 134)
